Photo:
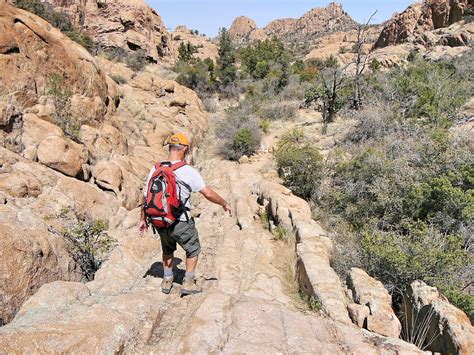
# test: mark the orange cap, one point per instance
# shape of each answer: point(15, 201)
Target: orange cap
point(178, 138)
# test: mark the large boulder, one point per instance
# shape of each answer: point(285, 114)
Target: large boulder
point(411, 24)
point(448, 327)
point(31, 257)
point(129, 25)
point(32, 53)
point(63, 155)
point(369, 292)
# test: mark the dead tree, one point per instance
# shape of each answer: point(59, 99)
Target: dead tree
point(332, 83)
point(360, 61)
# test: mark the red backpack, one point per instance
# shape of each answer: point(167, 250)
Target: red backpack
point(163, 206)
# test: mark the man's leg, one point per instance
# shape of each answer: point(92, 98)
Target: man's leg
point(188, 239)
point(191, 264)
point(168, 265)
point(168, 245)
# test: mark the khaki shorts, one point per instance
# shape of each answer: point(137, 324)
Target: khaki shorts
point(183, 233)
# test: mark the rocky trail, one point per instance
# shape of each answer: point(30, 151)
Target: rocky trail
point(249, 305)
point(86, 146)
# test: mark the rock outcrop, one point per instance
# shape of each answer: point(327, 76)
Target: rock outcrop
point(417, 19)
point(95, 167)
point(36, 59)
point(130, 25)
point(311, 25)
point(31, 256)
point(204, 46)
point(448, 329)
point(371, 293)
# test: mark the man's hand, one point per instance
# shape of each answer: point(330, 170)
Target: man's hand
point(227, 208)
point(214, 197)
point(142, 227)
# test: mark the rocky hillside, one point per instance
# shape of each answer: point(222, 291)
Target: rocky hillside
point(313, 24)
point(77, 134)
point(204, 46)
point(412, 24)
point(130, 25)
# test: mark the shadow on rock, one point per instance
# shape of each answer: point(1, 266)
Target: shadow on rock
point(156, 270)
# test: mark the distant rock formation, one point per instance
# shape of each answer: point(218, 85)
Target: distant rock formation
point(204, 46)
point(311, 25)
point(417, 19)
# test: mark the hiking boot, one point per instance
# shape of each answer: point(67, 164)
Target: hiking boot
point(167, 284)
point(190, 287)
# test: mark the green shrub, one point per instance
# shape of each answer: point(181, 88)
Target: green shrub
point(60, 93)
point(431, 91)
point(239, 132)
point(199, 76)
point(244, 142)
point(186, 51)
point(86, 239)
point(119, 79)
point(265, 125)
point(300, 164)
point(375, 65)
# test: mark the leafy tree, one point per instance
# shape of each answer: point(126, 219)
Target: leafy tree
point(226, 69)
point(267, 58)
point(186, 51)
point(198, 75)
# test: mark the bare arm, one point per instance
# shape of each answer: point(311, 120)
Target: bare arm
point(214, 197)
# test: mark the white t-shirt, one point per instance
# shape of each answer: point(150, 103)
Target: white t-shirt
point(186, 177)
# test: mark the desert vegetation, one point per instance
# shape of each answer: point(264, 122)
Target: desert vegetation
point(398, 189)
point(87, 240)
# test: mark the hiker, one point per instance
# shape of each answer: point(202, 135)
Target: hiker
point(167, 208)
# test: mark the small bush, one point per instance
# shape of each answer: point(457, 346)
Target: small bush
point(300, 164)
point(61, 94)
point(137, 60)
point(313, 303)
point(119, 79)
point(186, 51)
point(210, 104)
point(265, 125)
point(244, 142)
point(87, 240)
point(280, 111)
point(375, 65)
point(239, 133)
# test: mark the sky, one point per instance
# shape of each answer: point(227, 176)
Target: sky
point(208, 16)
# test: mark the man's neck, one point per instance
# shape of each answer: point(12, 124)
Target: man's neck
point(174, 157)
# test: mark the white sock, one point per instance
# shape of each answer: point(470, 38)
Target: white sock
point(168, 272)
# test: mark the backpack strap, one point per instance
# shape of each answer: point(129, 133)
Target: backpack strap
point(177, 166)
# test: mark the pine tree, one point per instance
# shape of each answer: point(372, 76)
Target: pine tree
point(226, 59)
